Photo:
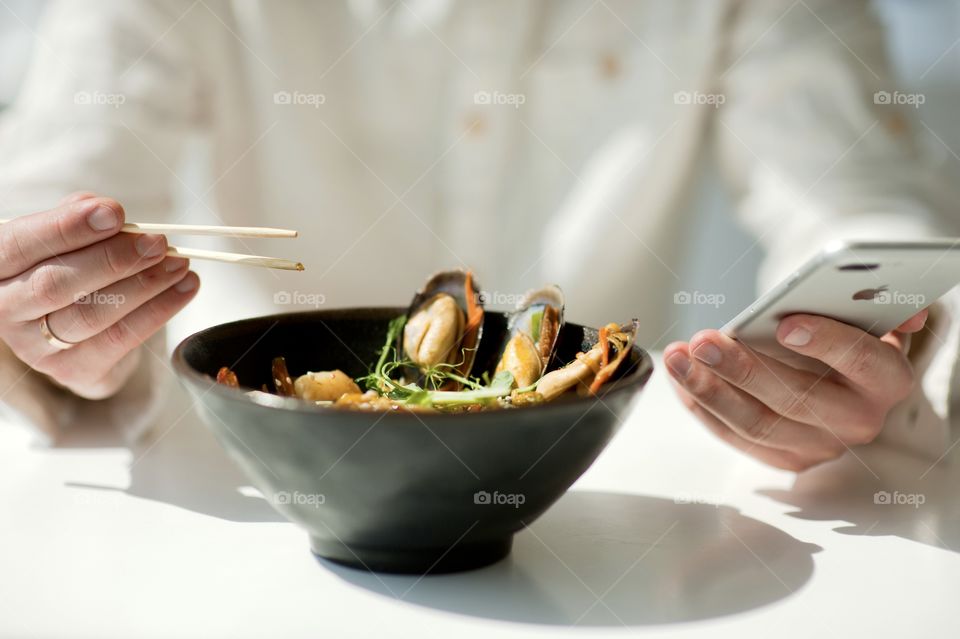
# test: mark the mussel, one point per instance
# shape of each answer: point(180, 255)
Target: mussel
point(532, 335)
point(443, 328)
point(594, 368)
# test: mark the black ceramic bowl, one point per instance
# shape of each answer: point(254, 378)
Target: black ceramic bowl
point(396, 492)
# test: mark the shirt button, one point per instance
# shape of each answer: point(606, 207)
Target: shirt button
point(475, 125)
point(609, 66)
point(896, 124)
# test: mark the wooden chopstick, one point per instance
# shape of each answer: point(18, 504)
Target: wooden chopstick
point(235, 258)
point(203, 229)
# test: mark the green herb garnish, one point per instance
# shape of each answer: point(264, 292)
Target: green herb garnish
point(500, 387)
point(381, 379)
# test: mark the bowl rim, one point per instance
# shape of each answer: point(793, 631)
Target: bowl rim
point(635, 381)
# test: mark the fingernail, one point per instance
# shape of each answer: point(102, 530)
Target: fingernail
point(187, 284)
point(150, 245)
point(798, 337)
point(172, 264)
point(103, 219)
point(708, 353)
point(678, 365)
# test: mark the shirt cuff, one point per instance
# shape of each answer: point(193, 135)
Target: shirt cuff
point(30, 400)
point(923, 423)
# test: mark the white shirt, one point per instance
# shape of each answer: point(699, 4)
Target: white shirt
point(532, 141)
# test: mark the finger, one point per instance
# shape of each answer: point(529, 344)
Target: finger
point(77, 196)
point(787, 460)
point(28, 240)
point(96, 311)
point(58, 282)
point(898, 340)
point(875, 367)
point(799, 395)
point(915, 324)
point(747, 416)
point(117, 376)
point(72, 368)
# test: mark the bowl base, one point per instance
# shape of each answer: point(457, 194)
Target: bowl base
point(414, 561)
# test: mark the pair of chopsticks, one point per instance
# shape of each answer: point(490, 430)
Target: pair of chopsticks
point(220, 231)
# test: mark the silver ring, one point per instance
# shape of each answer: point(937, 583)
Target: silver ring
point(52, 339)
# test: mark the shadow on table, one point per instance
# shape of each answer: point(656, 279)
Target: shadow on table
point(605, 559)
point(882, 492)
point(594, 559)
point(182, 466)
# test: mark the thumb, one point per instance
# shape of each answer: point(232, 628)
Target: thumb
point(915, 323)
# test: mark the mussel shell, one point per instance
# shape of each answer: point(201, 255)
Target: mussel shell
point(528, 318)
point(454, 284)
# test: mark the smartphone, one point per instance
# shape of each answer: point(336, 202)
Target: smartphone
point(873, 285)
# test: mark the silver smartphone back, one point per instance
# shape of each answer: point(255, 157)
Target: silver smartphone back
point(874, 285)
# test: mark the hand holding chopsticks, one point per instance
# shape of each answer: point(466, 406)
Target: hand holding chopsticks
point(219, 231)
point(81, 291)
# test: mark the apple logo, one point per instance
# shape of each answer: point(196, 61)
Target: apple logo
point(870, 293)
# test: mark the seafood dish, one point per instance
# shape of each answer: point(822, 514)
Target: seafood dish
point(428, 358)
point(408, 444)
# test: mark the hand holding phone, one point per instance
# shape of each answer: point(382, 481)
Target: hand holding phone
point(745, 385)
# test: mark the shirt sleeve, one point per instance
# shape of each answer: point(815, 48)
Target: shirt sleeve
point(112, 93)
point(817, 146)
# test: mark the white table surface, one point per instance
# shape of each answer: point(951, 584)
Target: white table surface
point(670, 533)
